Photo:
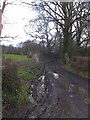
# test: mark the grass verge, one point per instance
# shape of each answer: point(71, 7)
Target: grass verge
point(14, 102)
point(25, 72)
point(25, 75)
point(29, 70)
point(69, 68)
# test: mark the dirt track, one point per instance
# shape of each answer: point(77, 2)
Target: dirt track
point(58, 94)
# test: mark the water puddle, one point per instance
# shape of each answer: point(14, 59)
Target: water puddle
point(41, 78)
point(32, 99)
point(52, 84)
point(37, 90)
point(41, 88)
point(56, 75)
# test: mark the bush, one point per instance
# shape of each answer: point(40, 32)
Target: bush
point(10, 82)
point(80, 63)
point(14, 93)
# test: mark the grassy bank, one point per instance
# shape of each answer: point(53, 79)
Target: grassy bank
point(69, 68)
point(15, 82)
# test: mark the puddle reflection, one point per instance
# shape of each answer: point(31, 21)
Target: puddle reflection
point(56, 75)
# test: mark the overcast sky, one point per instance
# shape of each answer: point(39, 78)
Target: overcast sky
point(14, 19)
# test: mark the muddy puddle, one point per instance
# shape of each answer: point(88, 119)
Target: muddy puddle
point(38, 90)
point(70, 103)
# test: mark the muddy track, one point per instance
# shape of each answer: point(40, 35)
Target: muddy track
point(55, 96)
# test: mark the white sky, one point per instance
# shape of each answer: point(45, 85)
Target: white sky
point(14, 19)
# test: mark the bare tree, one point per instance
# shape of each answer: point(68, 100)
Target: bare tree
point(1, 12)
point(66, 15)
point(43, 27)
point(70, 19)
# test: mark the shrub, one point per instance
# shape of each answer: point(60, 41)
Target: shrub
point(14, 93)
point(10, 82)
point(10, 85)
point(80, 63)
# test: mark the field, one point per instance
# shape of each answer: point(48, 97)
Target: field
point(15, 57)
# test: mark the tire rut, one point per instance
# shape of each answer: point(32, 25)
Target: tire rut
point(56, 101)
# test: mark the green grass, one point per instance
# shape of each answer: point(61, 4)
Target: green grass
point(25, 75)
point(27, 71)
point(15, 57)
point(22, 95)
point(16, 100)
point(71, 69)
